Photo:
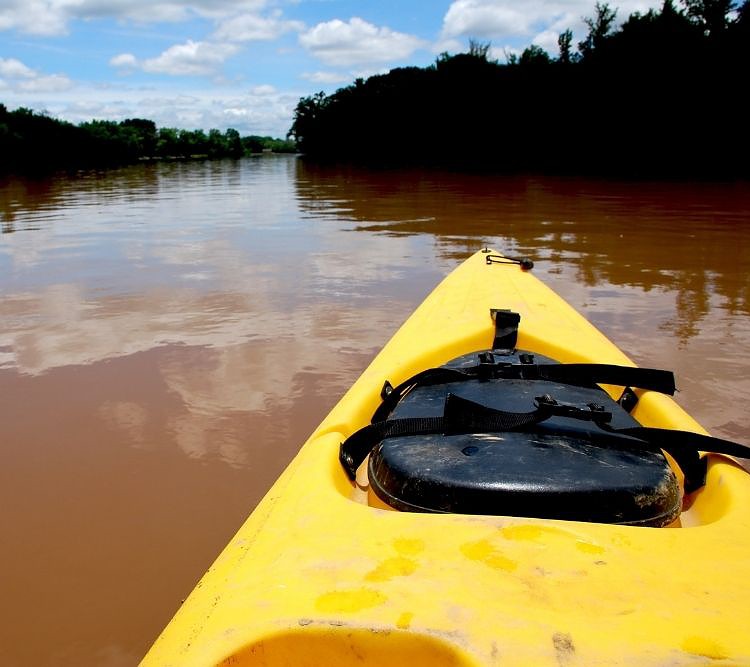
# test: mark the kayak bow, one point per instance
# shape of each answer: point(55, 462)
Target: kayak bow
point(324, 572)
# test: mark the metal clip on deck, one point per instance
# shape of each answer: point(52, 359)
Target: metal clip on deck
point(592, 412)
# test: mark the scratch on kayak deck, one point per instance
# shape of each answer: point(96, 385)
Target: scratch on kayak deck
point(564, 648)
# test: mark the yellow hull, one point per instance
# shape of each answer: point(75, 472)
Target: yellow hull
point(315, 576)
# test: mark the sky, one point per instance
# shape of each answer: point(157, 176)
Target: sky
point(244, 63)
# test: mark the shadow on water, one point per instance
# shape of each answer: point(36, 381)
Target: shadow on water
point(691, 239)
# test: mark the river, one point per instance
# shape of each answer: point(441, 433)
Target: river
point(171, 333)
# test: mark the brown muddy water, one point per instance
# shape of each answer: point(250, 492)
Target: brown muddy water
point(171, 333)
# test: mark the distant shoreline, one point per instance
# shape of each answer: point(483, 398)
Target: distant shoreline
point(36, 144)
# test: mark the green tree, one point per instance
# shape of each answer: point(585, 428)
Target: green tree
point(307, 115)
point(215, 145)
point(564, 44)
point(233, 143)
point(167, 144)
point(711, 15)
point(146, 133)
point(599, 27)
point(480, 50)
point(534, 56)
point(192, 143)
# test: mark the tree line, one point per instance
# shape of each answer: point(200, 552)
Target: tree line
point(660, 95)
point(35, 142)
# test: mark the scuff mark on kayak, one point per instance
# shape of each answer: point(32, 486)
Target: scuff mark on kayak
point(564, 648)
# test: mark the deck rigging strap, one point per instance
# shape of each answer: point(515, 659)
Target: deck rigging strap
point(506, 328)
point(684, 447)
point(576, 374)
point(465, 416)
point(459, 416)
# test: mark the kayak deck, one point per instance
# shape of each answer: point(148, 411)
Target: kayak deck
point(316, 576)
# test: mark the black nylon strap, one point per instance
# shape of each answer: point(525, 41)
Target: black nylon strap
point(464, 416)
point(622, 376)
point(460, 416)
point(684, 447)
point(424, 379)
point(357, 446)
point(580, 374)
point(506, 329)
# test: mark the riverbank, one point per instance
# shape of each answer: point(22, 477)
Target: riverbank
point(34, 143)
point(658, 97)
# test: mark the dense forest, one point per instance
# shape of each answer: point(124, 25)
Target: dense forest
point(34, 142)
point(662, 95)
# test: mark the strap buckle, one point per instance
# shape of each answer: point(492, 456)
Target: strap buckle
point(591, 412)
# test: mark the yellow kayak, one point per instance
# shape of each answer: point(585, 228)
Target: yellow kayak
point(413, 563)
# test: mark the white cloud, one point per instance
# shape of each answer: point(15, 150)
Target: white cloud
point(190, 59)
point(325, 77)
point(484, 18)
point(51, 17)
point(124, 61)
point(45, 84)
point(533, 20)
point(547, 39)
point(18, 77)
point(37, 17)
point(14, 69)
point(254, 27)
point(358, 42)
point(259, 110)
point(503, 54)
point(449, 45)
point(265, 89)
point(215, 9)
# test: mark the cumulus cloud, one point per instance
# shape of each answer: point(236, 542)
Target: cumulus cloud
point(254, 27)
point(36, 17)
point(125, 62)
point(16, 76)
point(188, 59)
point(326, 77)
point(49, 83)
point(534, 20)
point(451, 45)
point(547, 39)
point(263, 90)
point(14, 69)
point(354, 42)
point(51, 17)
point(258, 110)
point(484, 18)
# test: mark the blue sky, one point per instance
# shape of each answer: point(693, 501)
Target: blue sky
point(243, 63)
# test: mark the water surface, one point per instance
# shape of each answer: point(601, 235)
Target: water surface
point(171, 333)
